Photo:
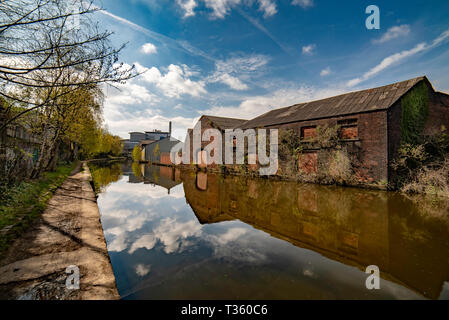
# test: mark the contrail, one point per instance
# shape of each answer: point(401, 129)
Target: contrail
point(176, 44)
point(259, 26)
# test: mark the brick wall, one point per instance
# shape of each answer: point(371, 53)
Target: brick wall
point(394, 134)
point(349, 133)
point(438, 112)
point(205, 125)
point(369, 150)
point(165, 158)
point(308, 162)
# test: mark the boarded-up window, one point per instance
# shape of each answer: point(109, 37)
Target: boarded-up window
point(349, 129)
point(308, 162)
point(308, 133)
point(349, 133)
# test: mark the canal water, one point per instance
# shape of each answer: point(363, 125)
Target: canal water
point(175, 234)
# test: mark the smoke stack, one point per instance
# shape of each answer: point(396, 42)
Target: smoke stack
point(169, 129)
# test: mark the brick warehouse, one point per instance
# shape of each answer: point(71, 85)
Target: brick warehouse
point(370, 121)
point(210, 122)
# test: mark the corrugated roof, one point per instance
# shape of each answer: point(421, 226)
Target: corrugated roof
point(146, 142)
point(380, 98)
point(165, 145)
point(226, 123)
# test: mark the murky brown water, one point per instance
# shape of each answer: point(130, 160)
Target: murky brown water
point(180, 235)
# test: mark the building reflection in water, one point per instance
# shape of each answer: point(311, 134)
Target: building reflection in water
point(166, 177)
point(353, 226)
point(407, 239)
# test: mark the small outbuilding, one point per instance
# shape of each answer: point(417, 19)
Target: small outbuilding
point(158, 152)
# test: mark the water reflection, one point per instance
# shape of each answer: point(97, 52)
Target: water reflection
point(239, 238)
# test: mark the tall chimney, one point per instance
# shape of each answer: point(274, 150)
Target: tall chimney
point(169, 129)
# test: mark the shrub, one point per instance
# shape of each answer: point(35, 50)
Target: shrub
point(431, 179)
point(340, 167)
point(424, 168)
point(327, 137)
point(289, 143)
point(137, 153)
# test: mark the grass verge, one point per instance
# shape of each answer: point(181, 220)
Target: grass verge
point(23, 203)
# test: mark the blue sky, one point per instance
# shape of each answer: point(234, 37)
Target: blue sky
point(242, 58)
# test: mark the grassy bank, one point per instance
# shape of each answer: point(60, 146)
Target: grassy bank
point(21, 204)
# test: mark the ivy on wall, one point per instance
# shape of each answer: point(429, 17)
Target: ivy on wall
point(415, 112)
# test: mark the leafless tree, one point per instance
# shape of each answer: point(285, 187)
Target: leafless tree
point(49, 48)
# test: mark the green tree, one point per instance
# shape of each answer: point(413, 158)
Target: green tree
point(137, 154)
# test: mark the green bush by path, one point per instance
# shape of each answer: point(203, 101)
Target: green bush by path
point(21, 204)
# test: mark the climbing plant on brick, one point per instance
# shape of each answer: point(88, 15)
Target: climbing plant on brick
point(415, 112)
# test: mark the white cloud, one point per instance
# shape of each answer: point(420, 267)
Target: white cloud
point(393, 33)
point(131, 93)
point(235, 245)
point(230, 71)
point(134, 108)
point(221, 8)
point(244, 64)
point(309, 49)
point(147, 241)
point(268, 7)
point(175, 82)
point(232, 234)
point(173, 234)
point(442, 37)
point(118, 244)
point(397, 57)
point(142, 270)
point(232, 82)
point(148, 48)
point(188, 6)
point(325, 72)
point(148, 120)
point(303, 3)
point(387, 62)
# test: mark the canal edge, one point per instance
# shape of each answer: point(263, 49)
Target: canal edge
point(100, 278)
point(63, 255)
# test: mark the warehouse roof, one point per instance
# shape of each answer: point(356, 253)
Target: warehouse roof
point(375, 99)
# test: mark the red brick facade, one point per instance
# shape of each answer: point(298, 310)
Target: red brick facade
point(349, 133)
point(308, 162)
point(369, 149)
